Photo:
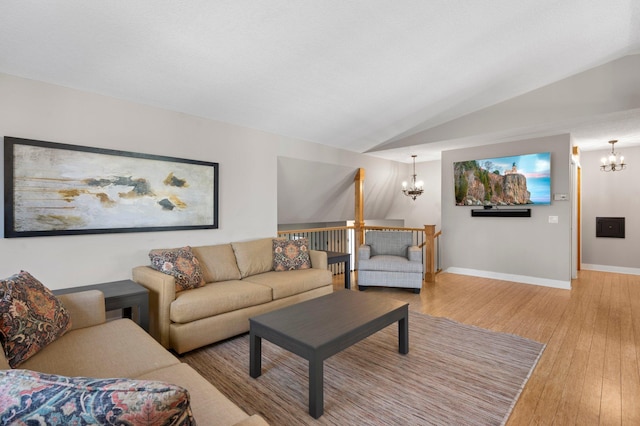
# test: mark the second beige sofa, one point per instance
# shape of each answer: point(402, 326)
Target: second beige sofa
point(240, 284)
point(120, 348)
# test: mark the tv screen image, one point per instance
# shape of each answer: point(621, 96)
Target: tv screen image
point(504, 181)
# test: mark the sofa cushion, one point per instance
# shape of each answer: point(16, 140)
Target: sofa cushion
point(118, 348)
point(393, 243)
point(36, 398)
point(209, 405)
point(389, 263)
point(289, 255)
point(31, 317)
point(285, 284)
point(217, 298)
point(179, 263)
point(218, 262)
point(254, 257)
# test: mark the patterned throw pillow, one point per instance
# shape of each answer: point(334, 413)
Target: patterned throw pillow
point(181, 264)
point(289, 255)
point(29, 397)
point(31, 317)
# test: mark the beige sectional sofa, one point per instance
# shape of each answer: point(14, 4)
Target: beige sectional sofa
point(240, 283)
point(120, 348)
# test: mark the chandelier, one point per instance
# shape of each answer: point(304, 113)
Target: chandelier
point(416, 185)
point(613, 162)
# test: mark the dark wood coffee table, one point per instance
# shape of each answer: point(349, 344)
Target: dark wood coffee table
point(319, 328)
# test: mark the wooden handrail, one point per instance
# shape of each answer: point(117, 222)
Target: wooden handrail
point(391, 228)
point(301, 231)
point(340, 228)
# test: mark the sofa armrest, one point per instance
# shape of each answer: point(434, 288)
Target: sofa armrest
point(162, 291)
point(318, 259)
point(364, 252)
point(86, 308)
point(414, 254)
point(254, 420)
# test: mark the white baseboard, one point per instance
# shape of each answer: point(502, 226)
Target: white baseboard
point(566, 285)
point(608, 268)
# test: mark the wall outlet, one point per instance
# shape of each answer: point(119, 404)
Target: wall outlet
point(553, 219)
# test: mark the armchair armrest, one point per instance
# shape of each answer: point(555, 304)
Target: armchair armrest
point(318, 259)
point(364, 252)
point(414, 254)
point(86, 308)
point(162, 291)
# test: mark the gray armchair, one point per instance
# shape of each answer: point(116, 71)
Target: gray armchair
point(389, 259)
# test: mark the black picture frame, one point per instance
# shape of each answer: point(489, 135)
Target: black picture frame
point(55, 189)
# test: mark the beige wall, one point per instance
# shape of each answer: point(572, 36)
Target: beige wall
point(248, 175)
point(248, 159)
point(35, 110)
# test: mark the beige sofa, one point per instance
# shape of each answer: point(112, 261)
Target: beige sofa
point(241, 283)
point(120, 348)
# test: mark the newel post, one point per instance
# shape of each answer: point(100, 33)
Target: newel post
point(430, 255)
point(359, 212)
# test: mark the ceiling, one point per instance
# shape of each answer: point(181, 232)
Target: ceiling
point(358, 75)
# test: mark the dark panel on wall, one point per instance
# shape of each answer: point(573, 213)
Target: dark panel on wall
point(610, 227)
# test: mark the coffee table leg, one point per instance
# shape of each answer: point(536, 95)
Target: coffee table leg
point(403, 335)
point(316, 383)
point(255, 355)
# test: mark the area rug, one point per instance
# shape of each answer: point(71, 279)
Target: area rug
point(454, 374)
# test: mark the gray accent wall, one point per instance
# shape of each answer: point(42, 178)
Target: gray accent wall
point(613, 194)
point(529, 250)
point(310, 191)
point(316, 184)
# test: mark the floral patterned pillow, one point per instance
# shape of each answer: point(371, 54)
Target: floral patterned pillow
point(31, 317)
point(179, 263)
point(290, 255)
point(29, 397)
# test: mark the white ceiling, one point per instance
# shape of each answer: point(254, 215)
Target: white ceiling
point(349, 74)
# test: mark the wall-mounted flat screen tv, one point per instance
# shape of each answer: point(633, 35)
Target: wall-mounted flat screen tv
point(504, 181)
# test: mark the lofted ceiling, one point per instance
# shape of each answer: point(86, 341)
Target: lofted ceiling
point(360, 75)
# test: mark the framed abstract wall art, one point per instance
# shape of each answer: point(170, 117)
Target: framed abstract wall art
point(61, 189)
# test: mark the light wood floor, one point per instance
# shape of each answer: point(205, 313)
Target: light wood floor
point(589, 371)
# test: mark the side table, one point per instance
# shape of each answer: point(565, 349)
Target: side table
point(125, 295)
point(339, 257)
